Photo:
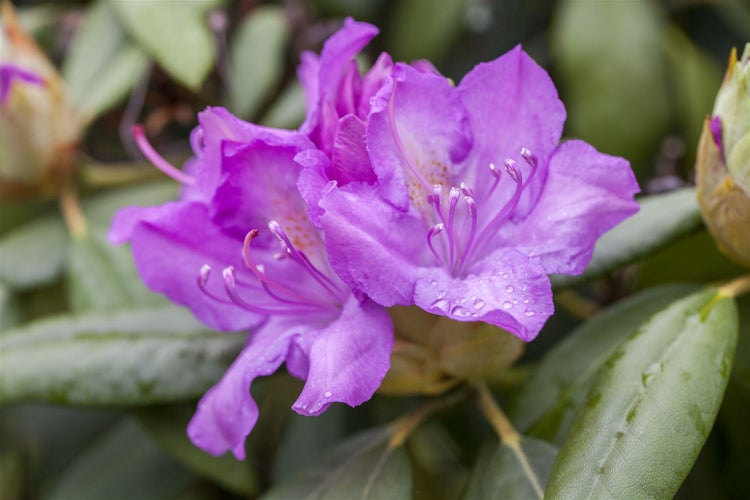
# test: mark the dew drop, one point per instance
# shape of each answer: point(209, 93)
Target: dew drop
point(506, 276)
point(479, 303)
point(515, 301)
point(433, 282)
point(462, 300)
point(529, 313)
point(507, 305)
point(328, 394)
point(460, 312)
point(440, 304)
point(509, 289)
point(524, 288)
point(525, 301)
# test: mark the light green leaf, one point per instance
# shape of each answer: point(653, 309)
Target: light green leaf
point(132, 356)
point(504, 473)
point(257, 57)
point(166, 425)
point(661, 220)
point(423, 30)
point(123, 464)
point(547, 402)
point(363, 467)
point(288, 110)
point(175, 34)
point(653, 405)
point(9, 312)
point(33, 254)
point(102, 64)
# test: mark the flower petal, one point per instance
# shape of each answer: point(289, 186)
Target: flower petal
point(506, 289)
point(170, 244)
point(587, 194)
point(417, 131)
point(512, 104)
point(348, 358)
point(227, 412)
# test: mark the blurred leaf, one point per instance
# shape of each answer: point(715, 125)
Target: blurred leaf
point(36, 18)
point(102, 275)
point(123, 464)
point(257, 58)
point(33, 254)
point(361, 10)
point(499, 474)
point(9, 312)
point(363, 467)
point(423, 30)
point(695, 78)
point(742, 355)
point(288, 110)
point(653, 405)
point(176, 34)
point(131, 356)
point(546, 404)
point(11, 474)
point(662, 219)
point(102, 64)
point(166, 425)
point(611, 69)
point(438, 471)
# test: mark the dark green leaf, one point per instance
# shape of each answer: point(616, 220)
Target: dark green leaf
point(436, 462)
point(167, 424)
point(547, 402)
point(176, 34)
point(257, 58)
point(661, 220)
point(503, 472)
point(363, 467)
point(132, 356)
point(123, 464)
point(653, 405)
point(424, 30)
point(103, 64)
point(33, 254)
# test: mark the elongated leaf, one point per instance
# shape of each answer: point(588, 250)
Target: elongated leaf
point(512, 474)
point(176, 34)
point(102, 64)
point(9, 313)
point(648, 415)
point(438, 470)
point(288, 110)
point(133, 356)
point(661, 220)
point(424, 30)
point(363, 467)
point(166, 425)
point(257, 57)
point(546, 404)
point(123, 464)
point(33, 254)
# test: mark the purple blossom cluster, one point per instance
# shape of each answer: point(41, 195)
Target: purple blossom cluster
point(398, 189)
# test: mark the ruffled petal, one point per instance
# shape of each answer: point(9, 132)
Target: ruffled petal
point(349, 160)
point(587, 194)
point(347, 359)
point(170, 244)
point(512, 104)
point(227, 412)
point(507, 289)
point(417, 131)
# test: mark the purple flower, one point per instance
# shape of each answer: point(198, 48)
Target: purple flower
point(240, 214)
point(472, 201)
point(10, 73)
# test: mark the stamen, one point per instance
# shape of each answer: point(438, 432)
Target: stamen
point(512, 168)
point(203, 276)
point(399, 144)
point(529, 157)
point(471, 210)
point(434, 231)
point(453, 196)
point(497, 175)
point(157, 160)
point(465, 190)
point(436, 200)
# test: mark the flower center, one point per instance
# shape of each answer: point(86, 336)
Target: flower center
point(459, 232)
point(277, 296)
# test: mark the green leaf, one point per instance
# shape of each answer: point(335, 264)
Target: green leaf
point(363, 467)
point(288, 110)
point(10, 315)
point(257, 58)
point(662, 219)
point(166, 425)
point(423, 30)
point(607, 53)
point(547, 402)
point(132, 356)
point(176, 34)
point(102, 64)
point(123, 464)
point(653, 405)
point(438, 471)
point(33, 254)
point(506, 473)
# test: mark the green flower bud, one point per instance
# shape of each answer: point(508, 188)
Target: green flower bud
point(723, 163)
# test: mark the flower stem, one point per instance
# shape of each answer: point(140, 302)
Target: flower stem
point(737, 287)
point(403, 427)
point(70, 207)
point(507, 434)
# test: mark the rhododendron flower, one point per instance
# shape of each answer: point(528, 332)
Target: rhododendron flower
point(240, 216)
point(472, 201)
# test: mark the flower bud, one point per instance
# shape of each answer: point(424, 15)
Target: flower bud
point(723, 163)
point(39, 133)
point(434, 353)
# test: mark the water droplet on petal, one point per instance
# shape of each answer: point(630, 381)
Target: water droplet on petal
point(525, 301)
point(507, 305)
point(529, 313)
point(460, 312)
point(509, 288)
point(506, 276)
point(433, 282)
point(461, 300)
point(479, 303)
point(440, 304)
point(328, 394)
